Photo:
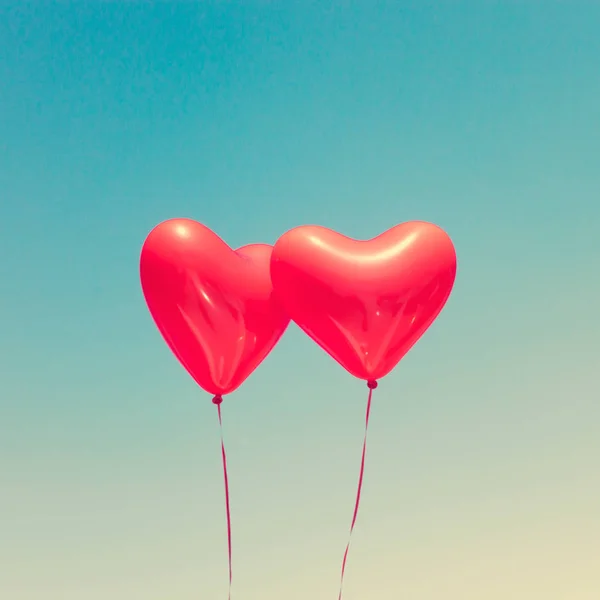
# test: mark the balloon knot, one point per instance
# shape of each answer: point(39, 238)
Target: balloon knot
point(217, 400)
point(371, 384)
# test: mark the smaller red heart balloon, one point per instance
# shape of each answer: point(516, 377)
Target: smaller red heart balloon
point(214, 306)
point(365, 303)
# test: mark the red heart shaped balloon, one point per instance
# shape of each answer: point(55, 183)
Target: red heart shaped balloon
point(214, 306)
point(364, 302)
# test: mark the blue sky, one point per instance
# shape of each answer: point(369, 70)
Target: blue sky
point(254, 117)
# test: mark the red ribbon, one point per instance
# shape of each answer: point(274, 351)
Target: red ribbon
point(217, 400)
point(372, 385)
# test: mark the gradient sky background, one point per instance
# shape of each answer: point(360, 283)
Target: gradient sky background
point(483, 475)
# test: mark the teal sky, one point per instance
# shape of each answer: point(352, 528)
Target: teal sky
point(483, 476)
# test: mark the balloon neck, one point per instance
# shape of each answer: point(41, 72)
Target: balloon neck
point(371, 384)
point(217, 400)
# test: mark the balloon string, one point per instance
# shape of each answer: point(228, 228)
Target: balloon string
point(217, 401)
point(372, 385)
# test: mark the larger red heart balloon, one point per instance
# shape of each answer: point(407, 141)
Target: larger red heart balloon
point(214, 306)
point(366, 303)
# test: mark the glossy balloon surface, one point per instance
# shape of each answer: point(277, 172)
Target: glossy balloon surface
point(365, 303)
point(214, 306)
